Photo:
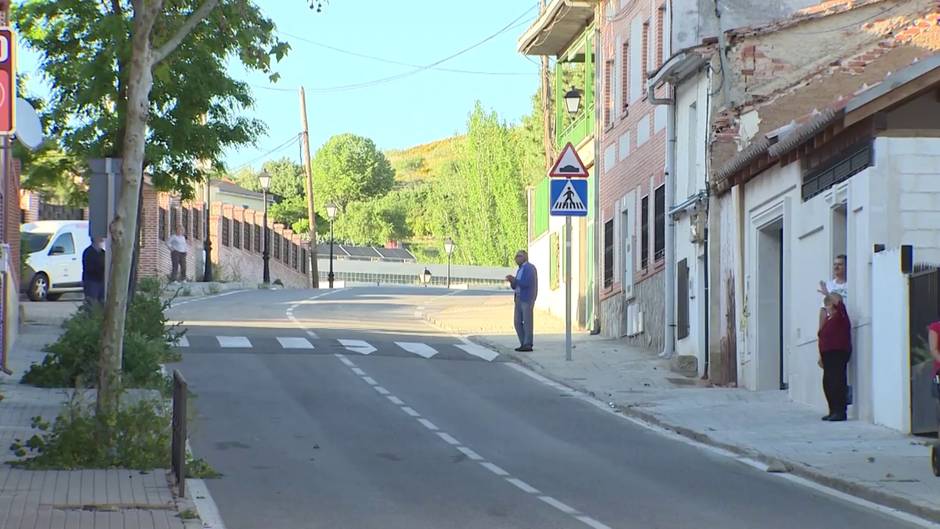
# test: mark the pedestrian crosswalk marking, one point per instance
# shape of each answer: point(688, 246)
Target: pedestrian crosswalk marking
point(182, 341)
point(233, 342)
point(312, 335)
point(294, 343)
point(358, 346)
point(478, 351)
point(420, 349)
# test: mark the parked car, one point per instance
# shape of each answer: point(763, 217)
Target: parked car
point(53, 257)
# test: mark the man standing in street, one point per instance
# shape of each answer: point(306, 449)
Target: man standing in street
point(525, 284)
point(178, 248)
point(93, 271)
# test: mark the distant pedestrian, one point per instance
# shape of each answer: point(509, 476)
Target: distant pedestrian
point(178, 249)
point(93, 271)
point(835, 349)
point(837, 285)
point(525, 284)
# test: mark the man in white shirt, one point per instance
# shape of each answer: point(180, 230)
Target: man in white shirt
point(837, 285)
point(178, 248)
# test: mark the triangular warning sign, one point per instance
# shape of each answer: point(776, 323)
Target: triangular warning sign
point(568, 200)
point(569, 164)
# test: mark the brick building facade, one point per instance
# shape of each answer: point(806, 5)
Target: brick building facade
point(632, 161)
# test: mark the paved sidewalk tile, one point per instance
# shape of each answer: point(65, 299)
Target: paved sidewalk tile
point(857, 457)
point(126, 499)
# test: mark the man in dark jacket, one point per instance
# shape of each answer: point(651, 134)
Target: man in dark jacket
point(93, 271)
point(526, 286)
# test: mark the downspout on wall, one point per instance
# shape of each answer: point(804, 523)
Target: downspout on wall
point(598, 236)
point(669, 346)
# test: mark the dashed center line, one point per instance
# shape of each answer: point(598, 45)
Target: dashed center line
point(494, 469)
point(381, 390)
point(358, 371)
point(395, 400)
point(525, 487)
point(428, 424)
point(370, 381)
point(410, 411)
point(473, 456)
point(567, 509)
point(448, 438)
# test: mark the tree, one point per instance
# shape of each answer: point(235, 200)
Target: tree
point(349, 168)
point(371, 222)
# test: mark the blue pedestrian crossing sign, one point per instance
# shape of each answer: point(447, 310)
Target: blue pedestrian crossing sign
point(568, 197)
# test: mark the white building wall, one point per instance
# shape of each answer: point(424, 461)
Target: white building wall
point(553, 301)
point(690, 177)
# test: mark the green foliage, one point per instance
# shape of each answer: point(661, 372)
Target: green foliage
point(375, 221)
point(349, 168)
point(199, 468)
point(424, 163)
point(72, 360)
point(53, 173)
point(196, 109)
point(142, 430)
point(289, 211)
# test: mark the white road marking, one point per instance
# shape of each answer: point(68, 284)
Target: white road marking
point(358, 371)
point(410, 411)
point(370, 381)
point(494, 469)
point(358, 346)
point(396, 400)
point(205, 506)
point(345, 360)
point(428, 424)
point(591, 522)
point(567, 509)
point(233, 342)
point(448, 438)
point(470, 453)
point(312, 335)
point(522, 485)
point(294, 343)
point(479, 351)
point(420, 349)
point(381, 390)
point(182, 341)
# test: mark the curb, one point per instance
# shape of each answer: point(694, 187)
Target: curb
point(792, 467)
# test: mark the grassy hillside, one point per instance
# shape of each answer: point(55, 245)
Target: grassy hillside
point(424, 163)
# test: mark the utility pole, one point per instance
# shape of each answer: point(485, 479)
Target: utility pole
point(548, 138)
point(311, 215)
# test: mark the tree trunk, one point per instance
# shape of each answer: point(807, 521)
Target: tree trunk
point(124, 225)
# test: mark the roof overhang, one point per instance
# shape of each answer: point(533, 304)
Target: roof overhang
point(679, 67)
point(557, 27)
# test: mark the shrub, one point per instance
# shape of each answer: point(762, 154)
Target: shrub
point(142, 430)
point(72, 360)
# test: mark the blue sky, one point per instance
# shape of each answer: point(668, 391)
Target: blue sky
point(415, 109)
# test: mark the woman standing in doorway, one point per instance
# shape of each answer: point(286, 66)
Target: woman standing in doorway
point(835, 349)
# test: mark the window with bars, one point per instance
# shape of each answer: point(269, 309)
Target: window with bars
point(197, 224)
point(659, 210)
point(609, 253)
point(247, 237)
point(286, 244)
point(608, 92)
point(186, 226)
point(625, 76)
point(838, 169)
point(161, 224)
point(303, 260)
point(237, 234)
point(258, 231)
point(277, 246)
point(226, 232)
point(645, 232)
point(293, 257)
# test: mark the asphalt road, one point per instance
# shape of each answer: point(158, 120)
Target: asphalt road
point(311, 432)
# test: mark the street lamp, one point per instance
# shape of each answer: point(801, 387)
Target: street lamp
point(206, 242)
point(265, 180)
point(331, 213)
point(573, 100)
point(449, 249)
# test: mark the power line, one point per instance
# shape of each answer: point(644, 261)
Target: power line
point(402, 63)
point(420, 69)
point(293, 139)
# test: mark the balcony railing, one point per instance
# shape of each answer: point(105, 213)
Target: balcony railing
point(579, 129)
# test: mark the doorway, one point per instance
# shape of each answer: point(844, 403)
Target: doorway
point(771, 354)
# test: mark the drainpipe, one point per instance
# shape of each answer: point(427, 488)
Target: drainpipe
point(669, 348)
point(598, 236)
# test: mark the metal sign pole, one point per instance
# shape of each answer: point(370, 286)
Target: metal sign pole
point(568, 288)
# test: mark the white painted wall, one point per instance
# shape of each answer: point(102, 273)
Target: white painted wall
point(890, 335)
point(692, 96)
point(550, 300)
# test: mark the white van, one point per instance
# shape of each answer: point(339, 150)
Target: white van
point(53, 257)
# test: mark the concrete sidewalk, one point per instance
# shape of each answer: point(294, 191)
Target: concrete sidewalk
point(114, 498)
point(867, 461)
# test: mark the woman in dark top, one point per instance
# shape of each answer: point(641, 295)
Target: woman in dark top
point(835, 349)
